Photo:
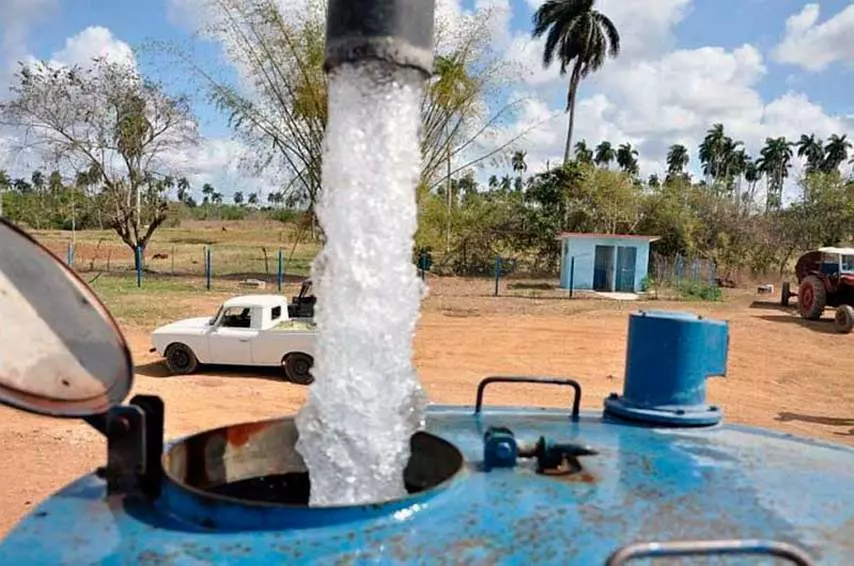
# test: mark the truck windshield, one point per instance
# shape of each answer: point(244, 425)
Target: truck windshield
point(216, 316)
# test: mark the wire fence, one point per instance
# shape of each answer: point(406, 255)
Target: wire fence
point(678, 269)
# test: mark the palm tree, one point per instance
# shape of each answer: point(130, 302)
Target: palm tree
point(811, 148)
point(653, 182)
point(752, 174)
point(583, 154)
point(711, 151)
point(835, 152)
point(604, 154)
point(627, 159)
point(183, 189)
point(518, 162)
point(208, 191)
point(775, 163)
point(577, 36)
point(677, 159)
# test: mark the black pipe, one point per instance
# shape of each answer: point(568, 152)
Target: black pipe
point(399, 32)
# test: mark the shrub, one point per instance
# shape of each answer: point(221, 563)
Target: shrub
point(699, 291)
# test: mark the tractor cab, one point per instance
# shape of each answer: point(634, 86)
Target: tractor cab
point(837, 261)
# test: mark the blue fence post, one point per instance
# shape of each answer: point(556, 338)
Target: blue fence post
point(139, 266)
point(70, 255)
point(497, 273)
point(208, 267)
point(280, 276)
point(571, 275)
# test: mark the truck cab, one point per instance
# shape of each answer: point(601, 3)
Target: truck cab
point(249, 330)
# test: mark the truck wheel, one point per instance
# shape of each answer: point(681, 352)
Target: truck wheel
point(812, 298)
point(843, 320)
point(298, 368)
point(180, 359)
point(785, 294)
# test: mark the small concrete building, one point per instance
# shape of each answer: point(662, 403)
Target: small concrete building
point(604, 262)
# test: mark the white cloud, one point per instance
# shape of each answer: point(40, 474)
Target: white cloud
point(92, 42)
point(653, 96)
point(814, 46)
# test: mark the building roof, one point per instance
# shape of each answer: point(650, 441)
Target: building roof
point(570, 235)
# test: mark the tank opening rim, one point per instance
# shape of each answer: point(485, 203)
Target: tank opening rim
point(427, 451)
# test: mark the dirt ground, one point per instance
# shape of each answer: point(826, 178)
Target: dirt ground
point(783, 373)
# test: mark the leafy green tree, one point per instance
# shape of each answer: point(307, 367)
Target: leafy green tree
point(835, 152)
point(811, 148)
point(579, 37)
point(583, 154)
point(774, 163)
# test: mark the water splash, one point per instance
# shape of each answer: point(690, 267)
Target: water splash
point(366, 400)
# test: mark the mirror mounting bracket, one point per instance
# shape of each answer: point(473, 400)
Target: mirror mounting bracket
point(134, 434)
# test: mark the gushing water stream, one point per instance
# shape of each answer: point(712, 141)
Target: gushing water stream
point(366, 400)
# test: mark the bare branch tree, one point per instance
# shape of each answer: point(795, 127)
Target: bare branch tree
point(113, 124)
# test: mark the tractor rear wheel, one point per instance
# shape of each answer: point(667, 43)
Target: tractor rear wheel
point(812, 298)
point(843, 320)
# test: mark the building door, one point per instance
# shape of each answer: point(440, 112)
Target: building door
point(626, 262)
point(603, 268)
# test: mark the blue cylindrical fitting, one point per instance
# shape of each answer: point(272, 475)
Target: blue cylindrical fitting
point(668, 359)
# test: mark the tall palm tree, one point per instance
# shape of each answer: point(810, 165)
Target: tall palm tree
point(677, 159)
point(835, 152)
point(775, 163)
point(604, 154)
point(811, 148)
point(183, 189)
point(627, 159)
point(752, 174)
point(518, 162)
point(577, 36)
point(583, 154)
point(711, 151)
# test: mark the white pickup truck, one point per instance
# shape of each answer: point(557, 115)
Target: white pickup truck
point(250, 330)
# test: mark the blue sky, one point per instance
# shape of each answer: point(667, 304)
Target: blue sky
point(685, 64)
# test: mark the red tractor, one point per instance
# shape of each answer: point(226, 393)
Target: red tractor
point(825, 279)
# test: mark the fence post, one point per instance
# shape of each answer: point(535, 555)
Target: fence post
point(571, 275)
point(497, 273)
point(280, 274)
point(208, 267)
point(70, 254)
point(138, 261)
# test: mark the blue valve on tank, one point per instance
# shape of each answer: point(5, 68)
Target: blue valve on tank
point(501, 450)
point(669, 356)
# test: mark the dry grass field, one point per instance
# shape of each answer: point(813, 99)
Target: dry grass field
point(783, 372)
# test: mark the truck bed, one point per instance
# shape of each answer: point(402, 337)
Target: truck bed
point(294, 326)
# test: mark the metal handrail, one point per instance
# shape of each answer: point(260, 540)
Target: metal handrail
point(773, 548)
point(576, 401)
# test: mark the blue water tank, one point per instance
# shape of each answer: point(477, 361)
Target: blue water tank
point(669, 356)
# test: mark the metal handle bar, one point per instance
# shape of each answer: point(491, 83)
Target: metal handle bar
point(576, 401)
point(773, 548)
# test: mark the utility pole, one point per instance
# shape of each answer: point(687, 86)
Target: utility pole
point(448, 190)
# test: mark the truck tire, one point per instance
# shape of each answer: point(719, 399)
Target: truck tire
point(812, 298)
point(843, 320)
point(298, 368)
point(180, 359)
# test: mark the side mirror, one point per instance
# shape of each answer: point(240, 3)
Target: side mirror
point(61, 353)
